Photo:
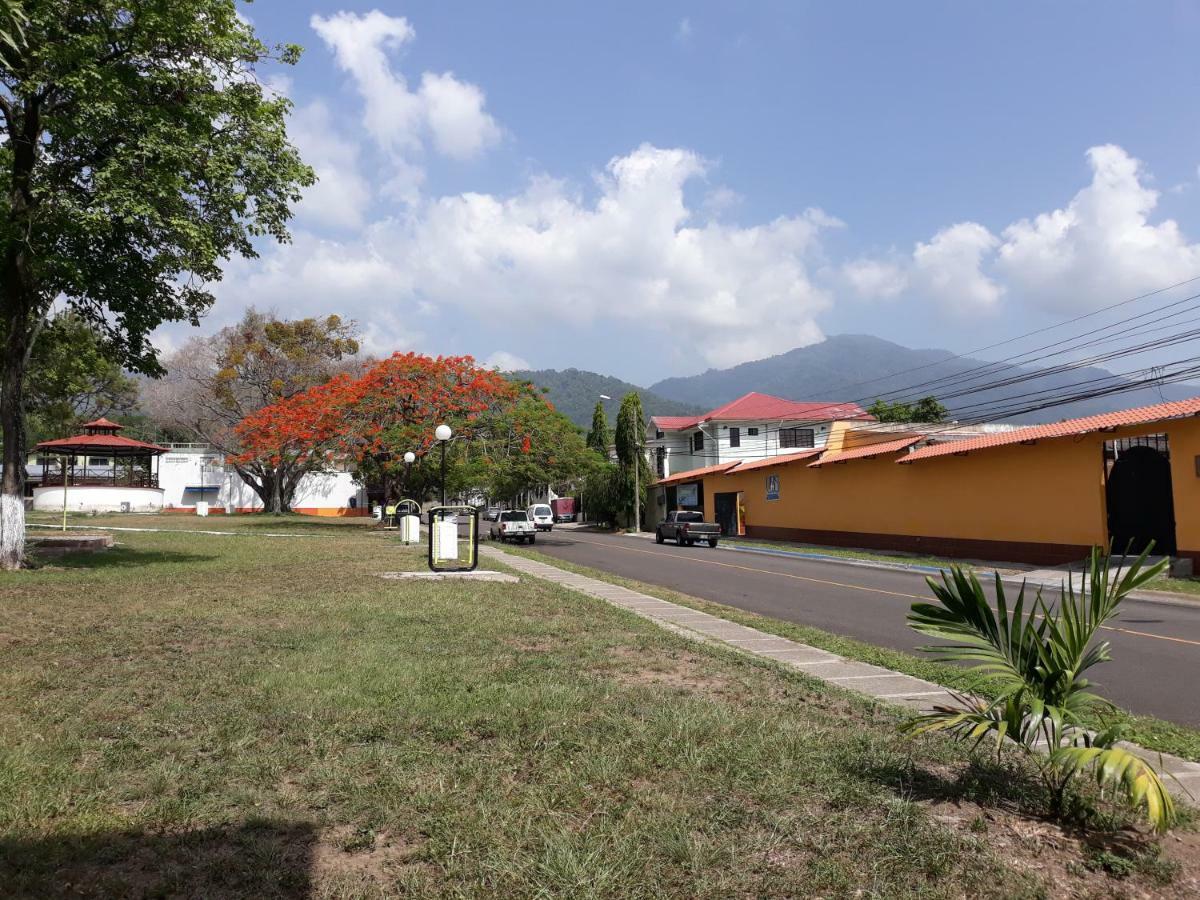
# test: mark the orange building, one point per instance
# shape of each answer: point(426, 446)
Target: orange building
point(1043, 494)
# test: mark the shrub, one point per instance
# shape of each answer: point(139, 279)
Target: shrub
point(1035, 659)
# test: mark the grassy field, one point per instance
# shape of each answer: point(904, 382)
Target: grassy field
point(244, 715)
point(1152, 733)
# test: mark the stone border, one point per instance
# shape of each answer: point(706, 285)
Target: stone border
point(876, 682)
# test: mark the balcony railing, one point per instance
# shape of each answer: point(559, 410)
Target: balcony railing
point(101, 478)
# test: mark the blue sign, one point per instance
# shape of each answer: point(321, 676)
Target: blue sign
point(772, 487)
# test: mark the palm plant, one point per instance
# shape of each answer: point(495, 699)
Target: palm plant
point(1035, 658)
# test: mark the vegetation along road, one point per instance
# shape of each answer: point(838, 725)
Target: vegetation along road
point(1154, 645)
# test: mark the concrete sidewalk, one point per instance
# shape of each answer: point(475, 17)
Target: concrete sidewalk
point(876, 682)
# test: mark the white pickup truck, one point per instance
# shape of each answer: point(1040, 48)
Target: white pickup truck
point(513, 525)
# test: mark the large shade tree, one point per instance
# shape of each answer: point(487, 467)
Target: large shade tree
point(216, 381)
point(139, 150)
point(371, 420)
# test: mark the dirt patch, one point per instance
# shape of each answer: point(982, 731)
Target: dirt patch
point(363, 856)
point(1131, 862)
point(682, 671)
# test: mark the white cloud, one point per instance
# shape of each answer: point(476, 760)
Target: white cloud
point(683, 31)
point(632, 255)
point(730, 293)
point(507, 362)
point(949, 268)
point(1101, 246)
point(341, 197)
point(447, 111)
point(875, 278)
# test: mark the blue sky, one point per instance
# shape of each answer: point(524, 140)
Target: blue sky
point(653, 189)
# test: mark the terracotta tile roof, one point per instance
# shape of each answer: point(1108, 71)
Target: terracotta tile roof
point(694, 474)
point(756, 407)
point(111, 444)
point(866, 451)
point(1142, 415)
point(777, 461)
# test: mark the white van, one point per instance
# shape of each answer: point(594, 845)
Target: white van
point(542, 516)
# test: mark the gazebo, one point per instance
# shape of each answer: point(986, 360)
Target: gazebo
point(100, 471)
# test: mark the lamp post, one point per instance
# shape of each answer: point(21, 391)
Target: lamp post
point(443, 434)
point(409, 459)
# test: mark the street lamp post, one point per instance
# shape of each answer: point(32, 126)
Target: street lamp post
point(409, 459)
point(443, 435)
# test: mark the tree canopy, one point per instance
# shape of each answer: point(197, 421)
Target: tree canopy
point(73, 380)
point(140, 150)
point(599, 436)
point(927, 409)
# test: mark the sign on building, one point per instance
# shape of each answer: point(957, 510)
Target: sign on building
point(772, 487)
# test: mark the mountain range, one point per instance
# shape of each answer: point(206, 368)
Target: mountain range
point(859, 367)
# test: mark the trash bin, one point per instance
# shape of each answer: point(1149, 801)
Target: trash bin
point(410, 529)
point(202, 507)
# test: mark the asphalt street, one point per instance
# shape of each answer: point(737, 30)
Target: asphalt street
point(1155, 647)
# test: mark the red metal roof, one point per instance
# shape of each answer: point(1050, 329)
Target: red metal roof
point(756, 407)
point(674, 423)
point(866, 451)
point(777, 460)
point(1142, 415)
point(694, 474)
point(110, 444)
point(102, 423)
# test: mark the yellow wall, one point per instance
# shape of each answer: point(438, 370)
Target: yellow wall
point(1051, 492)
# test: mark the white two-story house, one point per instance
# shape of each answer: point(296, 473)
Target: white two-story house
point(753, 427)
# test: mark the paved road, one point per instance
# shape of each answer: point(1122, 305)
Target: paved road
point(1155, 647)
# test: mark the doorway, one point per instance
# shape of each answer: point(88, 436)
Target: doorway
point(1141, 507)
point(727, 513)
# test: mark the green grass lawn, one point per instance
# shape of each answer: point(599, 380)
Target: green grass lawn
point(254, 716)
point(911, 559)
point(1152, 733)
point(1175, 585)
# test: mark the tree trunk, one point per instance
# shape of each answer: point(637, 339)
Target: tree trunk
point(12, 434)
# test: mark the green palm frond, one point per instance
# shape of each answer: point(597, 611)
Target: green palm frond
point(1117, 768)
point(1003, 647)
point(1035, 657)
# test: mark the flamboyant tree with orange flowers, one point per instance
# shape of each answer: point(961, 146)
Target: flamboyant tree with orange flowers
point(370, 421)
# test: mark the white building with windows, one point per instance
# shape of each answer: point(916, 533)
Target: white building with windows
point(753, 427)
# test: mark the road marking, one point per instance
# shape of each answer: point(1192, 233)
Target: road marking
point(858, 587)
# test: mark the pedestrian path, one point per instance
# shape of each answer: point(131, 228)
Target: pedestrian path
point(863, 678)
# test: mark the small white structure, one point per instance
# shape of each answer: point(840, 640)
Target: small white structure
point(100, 471)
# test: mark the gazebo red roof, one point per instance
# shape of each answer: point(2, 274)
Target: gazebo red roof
point(98, 441)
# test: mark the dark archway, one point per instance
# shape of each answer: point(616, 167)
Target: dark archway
point(1140, 505)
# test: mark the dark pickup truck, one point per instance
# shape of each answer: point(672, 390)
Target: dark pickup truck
point(686, 528)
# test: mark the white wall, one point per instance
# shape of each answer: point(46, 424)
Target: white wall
point(717, 449)
point(89, 498)
point(182, 468)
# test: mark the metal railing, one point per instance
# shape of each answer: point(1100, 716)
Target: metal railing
point(101, 478)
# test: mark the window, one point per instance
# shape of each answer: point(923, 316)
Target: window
point(658, 435)
point(796, 437)
point(517, 515)
point(660, 462)
point(697, 441)
point(753, 432)
point(98, 461)
point(735, 437)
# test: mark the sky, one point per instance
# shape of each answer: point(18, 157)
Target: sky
point(654, 189)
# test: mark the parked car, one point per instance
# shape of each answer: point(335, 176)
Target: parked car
point(513, 525)
point(563, 508)
point(687, 527)
point(541, 516)
point(491, 514)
